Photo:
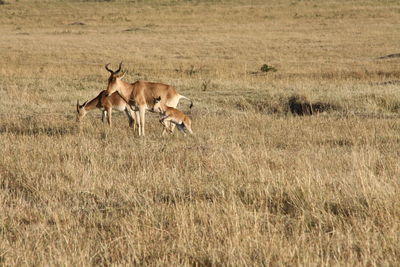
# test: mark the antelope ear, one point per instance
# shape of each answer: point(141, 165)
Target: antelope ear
point(121, 75)
point(158, 98)
point(84, 104)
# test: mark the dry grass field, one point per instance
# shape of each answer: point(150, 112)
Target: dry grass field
point(256, 184)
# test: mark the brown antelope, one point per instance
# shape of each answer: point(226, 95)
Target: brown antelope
point(142, 93)
point(173, 115)
point(106, 104)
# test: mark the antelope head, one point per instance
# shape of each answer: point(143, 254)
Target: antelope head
point(80, 111)
point(157, 104)
point(114, 79)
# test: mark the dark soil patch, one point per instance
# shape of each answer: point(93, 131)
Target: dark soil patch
point(337, 143)
point(390, 56)
point(78, 23)
point(299, 105)
point(393, 82)
point(134, 29)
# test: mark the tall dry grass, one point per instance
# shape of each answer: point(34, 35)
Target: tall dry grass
point(255, 185)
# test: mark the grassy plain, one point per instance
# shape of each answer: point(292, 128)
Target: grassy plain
point(255, 184)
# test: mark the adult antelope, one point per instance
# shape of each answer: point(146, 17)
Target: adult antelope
point(142, 93)
point(106, 104)
point(173, 115)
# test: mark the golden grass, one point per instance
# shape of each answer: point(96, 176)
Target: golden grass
point(255, 184)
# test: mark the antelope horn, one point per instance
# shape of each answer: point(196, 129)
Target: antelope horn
point(77, 105)
point(119, 68)
point(106, 66)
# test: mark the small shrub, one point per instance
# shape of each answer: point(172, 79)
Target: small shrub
point(2, 2)
point(267, 68)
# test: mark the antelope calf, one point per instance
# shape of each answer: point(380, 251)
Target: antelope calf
point(172, 115)
point(106, 104)
point(141, 93)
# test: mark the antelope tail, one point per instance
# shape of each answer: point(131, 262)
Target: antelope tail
point(184, 97)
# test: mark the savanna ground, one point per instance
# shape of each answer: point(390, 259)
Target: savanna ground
point(255, 185)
